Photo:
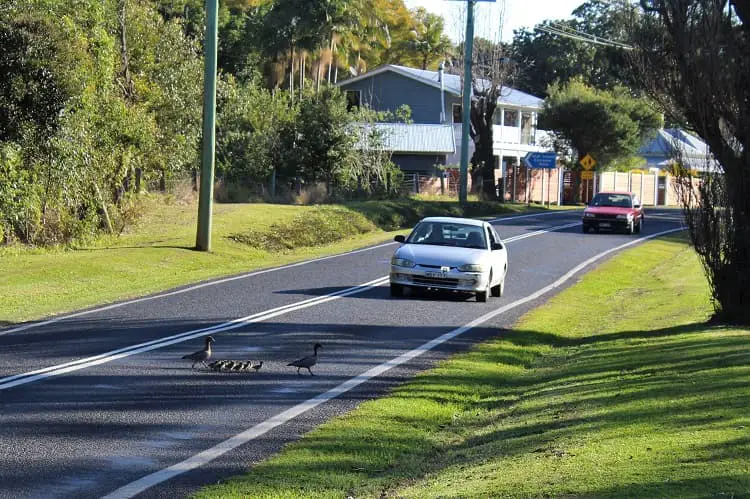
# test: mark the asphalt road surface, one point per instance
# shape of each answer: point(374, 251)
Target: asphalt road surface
point(99, 403)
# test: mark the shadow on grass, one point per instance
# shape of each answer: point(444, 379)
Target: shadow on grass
point(506, 408)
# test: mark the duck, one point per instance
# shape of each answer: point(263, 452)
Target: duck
point(201, 356)
point(307, 362)
point(256, 367)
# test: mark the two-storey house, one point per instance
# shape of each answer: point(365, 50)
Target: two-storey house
point(434, 137)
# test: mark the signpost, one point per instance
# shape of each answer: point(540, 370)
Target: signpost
point(545, 161)
point(541, 160)
point(588, 164)
point(466, 106)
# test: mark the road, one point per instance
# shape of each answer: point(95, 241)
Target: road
point(100, 402)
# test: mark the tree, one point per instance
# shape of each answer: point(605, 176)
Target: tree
point(551, 57)
point(427, 38)
point(492, 71)
point(693, 57)
point(318, 146)
point(609, 125)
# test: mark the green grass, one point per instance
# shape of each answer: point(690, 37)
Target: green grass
point(157, 253)
point(616, 388)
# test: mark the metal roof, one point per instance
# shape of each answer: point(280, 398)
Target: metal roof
point(671, 144)
point(508, 96)
point(416, 138)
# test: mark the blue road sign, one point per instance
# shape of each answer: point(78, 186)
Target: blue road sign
point(541, 160)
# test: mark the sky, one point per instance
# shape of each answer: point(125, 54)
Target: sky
point(518, 14)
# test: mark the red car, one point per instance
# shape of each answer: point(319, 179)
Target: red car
point(619, 211)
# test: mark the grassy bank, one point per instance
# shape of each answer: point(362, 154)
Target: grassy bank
point(156, 254)
point(616, 388)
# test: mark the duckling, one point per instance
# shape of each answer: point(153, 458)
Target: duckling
point(201, 356)
point(217, 365)
point(256, 367)
point(307, 362)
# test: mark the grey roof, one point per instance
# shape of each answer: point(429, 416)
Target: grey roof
point(509, 96)
point(671, 143)
point(416, 138)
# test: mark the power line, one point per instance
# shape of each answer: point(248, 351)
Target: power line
point(574, 34)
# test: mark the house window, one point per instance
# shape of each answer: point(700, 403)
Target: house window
point(527, 128)
point(497, 116)
point(353, 99)
point(511, 117)
point(457, 115)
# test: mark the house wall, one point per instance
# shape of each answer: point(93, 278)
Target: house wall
point(388, 91)
point(423, 163)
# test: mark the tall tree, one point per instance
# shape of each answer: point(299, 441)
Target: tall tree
point(493, 70)
point(550, 57)
point(693, 57)
point(609, 125)
point(428, 39)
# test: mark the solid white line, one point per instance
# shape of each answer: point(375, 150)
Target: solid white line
point(222, 281)
point(32, 376)
point(76, 365)
point(185, 290)
point(256, 431)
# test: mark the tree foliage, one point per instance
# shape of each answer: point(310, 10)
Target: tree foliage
point(550, 58)
point(94, 95)
point(693, 57)
point(609, 125)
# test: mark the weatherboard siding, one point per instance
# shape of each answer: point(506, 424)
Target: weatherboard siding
point(388, 91)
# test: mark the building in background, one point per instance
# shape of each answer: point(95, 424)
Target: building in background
point(434, 98)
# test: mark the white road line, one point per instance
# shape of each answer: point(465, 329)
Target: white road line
point(256, 431)
point(532, 215)
point(185, 290)
point(222, 281)
point(40, 374)
point(540, 232)
point(76, 365)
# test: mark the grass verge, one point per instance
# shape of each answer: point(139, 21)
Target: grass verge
point(615, 388)
point(157, 254)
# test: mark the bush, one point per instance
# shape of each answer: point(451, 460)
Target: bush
point(321, 226)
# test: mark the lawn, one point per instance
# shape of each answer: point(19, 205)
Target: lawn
point(157, 253)
point(618, 387)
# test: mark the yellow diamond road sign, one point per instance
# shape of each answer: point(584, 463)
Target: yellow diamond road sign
point(588, 162)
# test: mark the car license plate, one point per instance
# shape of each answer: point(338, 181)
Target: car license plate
point(436, 275)
point(604, 224)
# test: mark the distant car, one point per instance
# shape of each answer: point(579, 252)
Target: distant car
point(459, 254)
point(619, 211)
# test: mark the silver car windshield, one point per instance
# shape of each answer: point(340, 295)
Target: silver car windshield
point(448, 234)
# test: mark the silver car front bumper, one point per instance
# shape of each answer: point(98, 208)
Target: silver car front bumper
point(459, 281)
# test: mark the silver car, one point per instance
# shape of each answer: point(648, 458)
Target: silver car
point(461, 254)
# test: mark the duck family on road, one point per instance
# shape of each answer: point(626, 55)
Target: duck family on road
point(227, 365)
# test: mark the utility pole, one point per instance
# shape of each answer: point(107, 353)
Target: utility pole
point(466, 106)
point(206, 198)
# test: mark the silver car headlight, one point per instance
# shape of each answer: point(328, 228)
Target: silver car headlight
point(471, 267)
point(588, 215)
point(402, 262)
point(625, 217)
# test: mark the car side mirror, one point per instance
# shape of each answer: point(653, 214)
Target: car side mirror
point(400, 239)
point(497, 246)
